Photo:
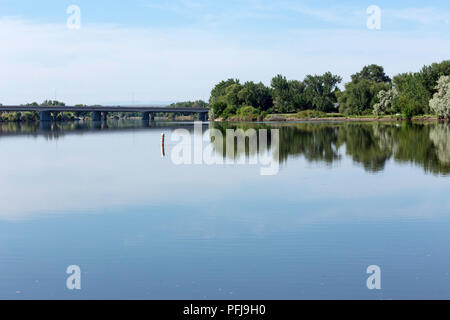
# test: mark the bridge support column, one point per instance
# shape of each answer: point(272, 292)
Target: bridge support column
point(96, 116)
point(152, 116)
point(45, 116)
point(104, 116)
point(145, 116)
point(203, 116)
point(45, 125)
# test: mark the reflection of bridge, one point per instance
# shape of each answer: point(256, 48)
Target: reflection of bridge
point(100, 113)
point(55, 130)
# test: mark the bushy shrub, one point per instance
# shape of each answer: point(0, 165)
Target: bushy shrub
point(217, 109)
point(11, 116)
point(30, 116)
point(229, 112)
point(248, 113)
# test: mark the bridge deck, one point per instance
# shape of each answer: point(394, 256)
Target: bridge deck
point(101, 109)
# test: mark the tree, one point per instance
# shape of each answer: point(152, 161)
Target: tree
point(360, 97)
point(385, 102)
point(298, 97)
point(289, 96)
point(219, 90)
point(217, 109)
point(281, 93)
point(190, 104)
point(440, 104)
point(413, 98)
point(53, 103)
point(320, 91)
point(372, 72)
point(232, 95)
point(263, 97)
point(256, 95)
point(432, 73)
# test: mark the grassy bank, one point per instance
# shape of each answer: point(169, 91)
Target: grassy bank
point(322, 116)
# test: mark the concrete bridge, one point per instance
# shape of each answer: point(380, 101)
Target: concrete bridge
point(100, 113)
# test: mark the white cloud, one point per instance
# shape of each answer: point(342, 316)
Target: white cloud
point(341, 14)
point(425, 16)
point(105, 63)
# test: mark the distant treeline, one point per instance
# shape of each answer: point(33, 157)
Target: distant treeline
point(184, 104)
point(370, 92)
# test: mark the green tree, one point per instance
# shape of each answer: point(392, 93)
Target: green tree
point(281, 93)
point(256, 95)
point(432, 73)
point(262, 97)
point(413, 98)
point(320, 91)
point(440, 104)
point(298, 97)
point(372, 72)
point(53, 103)
point(232, 95)
point(360, 97)
point(219, 90)
point(217, 109)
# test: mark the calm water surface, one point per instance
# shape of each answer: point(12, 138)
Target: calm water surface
point(347, 196)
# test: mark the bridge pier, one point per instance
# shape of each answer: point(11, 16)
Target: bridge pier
point(45, 125)
point(145, 116)
point(203, 116)
point(96, 116)
point(45, 116)
point(104, 116)
point(148, 116)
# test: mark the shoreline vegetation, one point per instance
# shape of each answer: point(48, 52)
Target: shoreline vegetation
point(371, 95)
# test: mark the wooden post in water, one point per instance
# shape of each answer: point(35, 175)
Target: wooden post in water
point(163, 153)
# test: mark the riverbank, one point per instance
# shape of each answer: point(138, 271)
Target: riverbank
point(335, 118)
point(330, 117)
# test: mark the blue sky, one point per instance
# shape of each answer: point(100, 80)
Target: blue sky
point(151, 51)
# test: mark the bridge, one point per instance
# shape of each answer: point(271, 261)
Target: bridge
point(100, 113)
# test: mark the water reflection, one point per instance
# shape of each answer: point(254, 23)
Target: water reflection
point(103, 198)
point(55, 130)
point(371, 145)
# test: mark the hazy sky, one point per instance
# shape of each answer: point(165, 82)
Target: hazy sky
point(151, 51)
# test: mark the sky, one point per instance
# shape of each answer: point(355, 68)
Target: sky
point(157, 52)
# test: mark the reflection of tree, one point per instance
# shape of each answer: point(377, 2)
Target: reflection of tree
point(56, 130)
point(314, 142)
point(364, 144)
point(370, 144)
point(440, 136)
point(218, 138)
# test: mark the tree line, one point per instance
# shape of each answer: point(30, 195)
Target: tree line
point(370, 92)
